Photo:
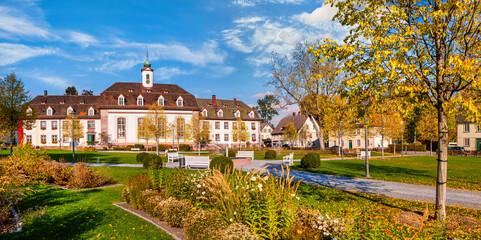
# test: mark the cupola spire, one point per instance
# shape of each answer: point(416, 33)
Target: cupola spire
point(147, 72)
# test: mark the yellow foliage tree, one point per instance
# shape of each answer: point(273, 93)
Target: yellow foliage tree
point(427, 130)
point(290, 133)
point(421, 53)
point(198, 130)
point(67, 127)
point(156, 125)
point(240, 132)
point(143, 131)
point(341, 122)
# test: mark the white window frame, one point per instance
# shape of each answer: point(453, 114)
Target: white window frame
point(49, 111)
point(69, 110)
point(54, 138)
point(29, 139)
point(468, 141)
point(217, 137)
point(121, 127)
point(204, 112)
point(91, 124)
point(466, 127)
point(43, 139)
point(217, 125)
point(161, 101)
point(180, 102)
point(237, 114)
point(121, 100)
point(254, 137)
point(220, 113)
point(226, 125)
point(358, 143)
point(251, 114)
point(226, 137)
point(54, 127)
point(140, 100)
point(91, 111)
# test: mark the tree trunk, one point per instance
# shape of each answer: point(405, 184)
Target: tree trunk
point(382, 146)
point(199, 148)
point(319, 134)
point(442, 164)
point(147, 144)
point(394, 145)
point(431, 148)
point(157, 143)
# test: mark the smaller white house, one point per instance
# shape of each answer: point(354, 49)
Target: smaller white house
point(357, 139)
point(468, 134)
point(266, 133)
point(306, 128)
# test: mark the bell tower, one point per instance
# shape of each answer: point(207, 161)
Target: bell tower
point(147, 73)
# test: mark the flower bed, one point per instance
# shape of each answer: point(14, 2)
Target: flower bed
point(214, 205)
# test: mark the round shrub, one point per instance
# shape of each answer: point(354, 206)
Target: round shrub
point(156, 162)
point(184, 147)
point(311, 160)
point(270, 154)
point(139, 146)
point(146, 160)
point(135, 187)
point(232, 153)
point(223, 164)
point(140, 157)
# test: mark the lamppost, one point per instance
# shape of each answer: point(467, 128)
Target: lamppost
point(73, 137)
point(402, 139)
point(366, 145)
point(341, 142)
point(173, 136)
point(414, 142)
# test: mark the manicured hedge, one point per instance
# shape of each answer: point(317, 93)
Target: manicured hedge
point(270, 154)
point(311, 160)
point(222, 163)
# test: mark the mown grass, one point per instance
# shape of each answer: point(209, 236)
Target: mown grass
point(84, 214)
point(299, 153)
point(463, 172)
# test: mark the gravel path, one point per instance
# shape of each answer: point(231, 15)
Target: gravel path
point(457, 197)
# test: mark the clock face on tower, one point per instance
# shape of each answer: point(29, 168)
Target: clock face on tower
point(147, 81)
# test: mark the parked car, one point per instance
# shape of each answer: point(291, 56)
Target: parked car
point(456, 148)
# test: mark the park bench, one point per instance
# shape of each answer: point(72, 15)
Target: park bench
point(362, 154)
point(289, 159)
point(171, 156)
point(135, 149)
point(203, 161)
point(245, 154)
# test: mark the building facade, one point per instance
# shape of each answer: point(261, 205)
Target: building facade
point(468, 134)
point(120, 109)
point(306, 129)
point(266, 134)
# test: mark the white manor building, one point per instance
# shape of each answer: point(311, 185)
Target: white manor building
point(119, 110)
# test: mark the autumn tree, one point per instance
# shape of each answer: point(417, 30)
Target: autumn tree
point(75, 131)
point(266, 108)
point(71, 91)
point(143, 131)
point(240, 132)
point(426, 51)
point(426, 129)
point(14, 107)
point(198, 130)
point(341, 122)
point(180, 129)
point(156, 123)
point(87, 92)
point(299, 79)
point(290, 134)
point(304, 135)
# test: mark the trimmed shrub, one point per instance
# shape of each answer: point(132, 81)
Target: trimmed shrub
point(147, 159)
point(311, 160)
point(156, 162)
point(184, 147)
point(223, 164)
point(163, 147)
point(232, 153)
point(139, 146)
point(140, 157)
point(176, 211)
point(85, 177)
point(237, 231)
point(270, 154)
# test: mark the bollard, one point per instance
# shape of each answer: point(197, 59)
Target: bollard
point(98, 160)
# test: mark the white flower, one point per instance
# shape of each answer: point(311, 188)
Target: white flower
point(259, 185)
point(266, 177)
point(235, 212)
point(236, 187)
point(293, 195)
point(198, 186)
point(253, 179)
point(297, 198)
point(230, 219)
point(203, 193)
point(247, 187)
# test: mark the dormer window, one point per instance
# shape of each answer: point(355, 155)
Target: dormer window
point(237, 114)
point(43, 102)
point(121, 100)
point(140, 100)
point(131, 90)
point(91, 111)
point(204, 112)
point(180, 102)
point(49, 111)
point(62, 102)
point(161, 101)
point(251, 114)
point(220, 113)
point(82, 102)
point(69, 110)
point(29, 112)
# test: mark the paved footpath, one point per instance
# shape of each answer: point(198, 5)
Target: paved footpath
point(462, 198)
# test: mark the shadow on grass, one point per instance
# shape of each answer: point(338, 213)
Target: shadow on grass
point(90, 157)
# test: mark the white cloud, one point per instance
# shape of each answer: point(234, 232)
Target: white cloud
point(319, 16)
point(166, 73)
point(251, 3)
point(54, 81)
point(261, 95)
point(17, 23)
point(287, 110)
point(81, 39)
point(12, 53)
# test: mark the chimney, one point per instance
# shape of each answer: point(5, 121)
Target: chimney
point(214, 102)
point(294, 114)
point(45, 92)
point(298, 113)
point(235, 101)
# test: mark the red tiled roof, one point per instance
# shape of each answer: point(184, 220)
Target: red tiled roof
point(298, 121)
point(228, 107)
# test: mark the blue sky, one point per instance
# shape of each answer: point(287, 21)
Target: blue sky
point(220, 47)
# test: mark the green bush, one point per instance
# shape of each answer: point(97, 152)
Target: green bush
point(232, 153)
point(203, 224)
point(163, 147)
point(140, 157)
point(311, 160)
point(156, 162)
point(270, 154)
point(139, 146)
point(146, 160)
point(223, 164)
point(176, 211)
point(184, 147)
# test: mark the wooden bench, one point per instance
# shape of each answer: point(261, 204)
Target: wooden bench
point(135, 149)
point(288, 159)
point(246, 154)
point(196, 161)
point(362, 154)
point(171, 156)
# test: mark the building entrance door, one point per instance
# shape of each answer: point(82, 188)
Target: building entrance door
point(350, 144)
point(478, 144)
point(91, 139)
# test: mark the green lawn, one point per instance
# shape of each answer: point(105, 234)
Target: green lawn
point(298, 154)
point(463, 172)
point(84, 214)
